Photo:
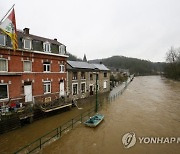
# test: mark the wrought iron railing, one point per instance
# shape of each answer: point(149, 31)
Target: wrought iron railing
point(56, 133)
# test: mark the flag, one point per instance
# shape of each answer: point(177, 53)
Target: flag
point(8, 26)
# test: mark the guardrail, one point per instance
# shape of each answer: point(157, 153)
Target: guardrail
point(56, 133)
point(64, 128)
point(120, 89)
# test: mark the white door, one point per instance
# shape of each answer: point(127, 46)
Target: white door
point(61, 93)
point(28, 93)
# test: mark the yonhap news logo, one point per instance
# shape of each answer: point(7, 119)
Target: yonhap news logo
point(129, 139)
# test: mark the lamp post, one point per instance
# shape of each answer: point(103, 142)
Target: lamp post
point(96, 109)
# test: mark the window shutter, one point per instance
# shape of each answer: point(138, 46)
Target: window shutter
point(43, 47)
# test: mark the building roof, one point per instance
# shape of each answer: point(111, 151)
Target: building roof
point(101, 67)
point(80, 64)
point(86, 65)
point(38, 38)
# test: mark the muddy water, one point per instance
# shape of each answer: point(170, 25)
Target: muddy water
point(14, 140)
point(150, 106)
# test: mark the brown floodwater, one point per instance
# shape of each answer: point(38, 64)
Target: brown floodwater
point(16, 139)
point(150, 106)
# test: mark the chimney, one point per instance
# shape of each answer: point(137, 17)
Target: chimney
point(26, 30)
point(55, 39)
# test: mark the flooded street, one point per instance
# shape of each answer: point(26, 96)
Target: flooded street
point(14, 140)
point(150, 106)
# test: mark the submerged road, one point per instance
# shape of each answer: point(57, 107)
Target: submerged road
point(149, 107)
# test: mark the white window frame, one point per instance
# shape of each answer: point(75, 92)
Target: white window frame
point(95, 87)
point(62, 49)
point(45, 44)
point(7, 91)
point(6, 64)
point(73, 76)
point(90, 77)
point(61, 66)
point(85, 87)
point(46, 83)
point(47, 67)
point(24, 67)
point(4, 40)
point(84, 76)
point(72, 88)
point(25, 43)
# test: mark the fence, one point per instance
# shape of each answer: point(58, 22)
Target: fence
point(57, 132)
point(120, 89)
point(63, 129)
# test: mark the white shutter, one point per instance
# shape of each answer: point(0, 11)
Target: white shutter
point(105, 84)
point(44, 45)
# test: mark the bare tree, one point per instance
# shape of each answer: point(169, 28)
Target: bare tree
point(172, 70)
point(172, 55)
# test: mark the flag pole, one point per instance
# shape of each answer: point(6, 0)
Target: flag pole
point(7, 13)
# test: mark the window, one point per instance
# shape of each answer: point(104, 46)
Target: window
point(47, 47)
point(82, 75)
point(46, 66)
point(3, 65)
point(62, 49)
point(75, 89)
point(105, 84)
point(62, 68)
point(97, 87)
point(47, 87)
point(27, 44)
point(74, 76)
point(4, 91)
point(105, 75)
point(83, 87)
point(2, 40)
point(27, 66)
point(91, 77)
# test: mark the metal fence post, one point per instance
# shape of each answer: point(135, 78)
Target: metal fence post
point(40, 143)
point(60, 130)
point(57, 132)
point(72, 123)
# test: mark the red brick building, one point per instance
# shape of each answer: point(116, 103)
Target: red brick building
point(36, 72)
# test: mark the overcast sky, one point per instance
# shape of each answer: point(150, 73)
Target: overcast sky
point(144, 29)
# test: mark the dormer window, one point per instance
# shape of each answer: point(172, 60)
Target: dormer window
point(2, 40)
point(27, 44)
point(47, 47)
point(62, 49)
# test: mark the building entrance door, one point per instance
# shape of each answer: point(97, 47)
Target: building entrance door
point(61, 92)
point(28, 93)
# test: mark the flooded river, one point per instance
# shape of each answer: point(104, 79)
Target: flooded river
point(149, 107)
